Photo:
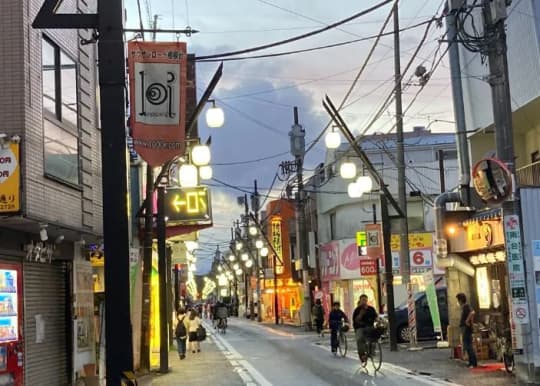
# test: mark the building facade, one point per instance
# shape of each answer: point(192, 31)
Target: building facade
point(48, 104)
point(341, 217)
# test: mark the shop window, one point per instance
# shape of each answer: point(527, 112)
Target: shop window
point(61, 153)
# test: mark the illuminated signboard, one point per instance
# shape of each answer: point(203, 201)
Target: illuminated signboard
point(188, 205)
point(276, 243)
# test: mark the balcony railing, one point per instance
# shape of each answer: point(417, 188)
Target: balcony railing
point(529, 175)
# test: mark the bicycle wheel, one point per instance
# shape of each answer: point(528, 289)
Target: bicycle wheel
point(508, 360)
point(376, 355)
point(342, 346)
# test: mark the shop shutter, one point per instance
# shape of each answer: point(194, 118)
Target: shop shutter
point(45, 289)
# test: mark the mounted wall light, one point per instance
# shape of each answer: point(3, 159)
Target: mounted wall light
point(332, 139)
point(214, 115)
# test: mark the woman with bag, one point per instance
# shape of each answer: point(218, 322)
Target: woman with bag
point(181, 333)
point(194, 324)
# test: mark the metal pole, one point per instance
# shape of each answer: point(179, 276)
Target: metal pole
point(402, 192)
point(388, 274)
point(176, 288)
point(162, 269)
point(118, 335)
point(276, 303)
point(440, 154)
point(169, 299)
point(147, 270)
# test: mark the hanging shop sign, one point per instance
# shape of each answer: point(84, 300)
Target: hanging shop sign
point(277, 243)
point(368, 267)
point(492, 180)
point(157, 78)
point(420, 252)
point(361, 243)
point(374, 241)
point(516, 271)
point(10, 184)
point(188, 205)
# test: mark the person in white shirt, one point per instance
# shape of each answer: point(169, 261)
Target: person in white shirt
point(194, 323)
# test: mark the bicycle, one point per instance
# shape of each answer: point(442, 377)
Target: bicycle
point(374, 352)
point(222, 325)
point(342, 340)
point(505, 352)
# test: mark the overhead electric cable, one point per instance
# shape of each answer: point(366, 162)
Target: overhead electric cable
point(299, 37)
point(285, 53)
point(360, 72)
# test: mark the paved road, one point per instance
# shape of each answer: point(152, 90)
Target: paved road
point(265, 356)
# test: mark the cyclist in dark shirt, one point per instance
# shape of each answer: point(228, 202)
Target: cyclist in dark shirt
point(335, 321)
point(364, 316)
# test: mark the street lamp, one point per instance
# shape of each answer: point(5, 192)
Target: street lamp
point(232, 257)
point(249, 263)
point(259, 244)
point(188, 176)
point(253, 230)
point(200, 155)
point(205, 172)
point(347, 170)
point(332, 139)
point(214, 115)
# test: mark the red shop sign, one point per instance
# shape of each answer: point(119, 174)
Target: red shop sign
point(368, 267)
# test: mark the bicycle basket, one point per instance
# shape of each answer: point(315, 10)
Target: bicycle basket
point(344, 328)
point(375, 333)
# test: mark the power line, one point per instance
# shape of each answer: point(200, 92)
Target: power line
point(299, 37)
point(285, 53)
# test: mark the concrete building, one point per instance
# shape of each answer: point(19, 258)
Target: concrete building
point(482, 239)
point(48, 100)
point(341, 217)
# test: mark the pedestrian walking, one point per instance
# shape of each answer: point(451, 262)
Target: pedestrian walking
point(364, 317)
point(194, 323)
point(317, 312)
point(466, 325)
point(181, 333)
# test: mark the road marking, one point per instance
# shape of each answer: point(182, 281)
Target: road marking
point(398, 370)
point(249, 374)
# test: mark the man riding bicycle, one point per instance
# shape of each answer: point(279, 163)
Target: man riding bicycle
point(220, 315)
point(335, 322)
point(364, 316)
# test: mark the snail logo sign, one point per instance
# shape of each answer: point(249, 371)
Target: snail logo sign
point(10, 184)
point(157, 77)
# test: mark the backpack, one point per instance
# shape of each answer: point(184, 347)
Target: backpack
point(181, 331)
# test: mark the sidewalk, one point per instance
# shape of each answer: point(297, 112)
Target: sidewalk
point(430, 361)
point(209, 367)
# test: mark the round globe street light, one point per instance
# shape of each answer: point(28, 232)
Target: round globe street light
point(239, 245)
point(354, 190)
point(253, 230)
point(219, 268)
point(239, 271)
point(365, 183)
point(214, 116)
point(244, 256)
point(259, 244)
point(264, 251)
point(332, 139)
point(236, 266)
point(347, 170)
point(232, 257)
point(205, 172)
point(188, 176)
point(249, 263)
point(200, 155)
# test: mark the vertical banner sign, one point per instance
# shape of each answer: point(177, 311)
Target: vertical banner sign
point(361, 243)
point(10, 181)
point(277, 243)
point(431, 294)
point(157, 79)
point(516, 272)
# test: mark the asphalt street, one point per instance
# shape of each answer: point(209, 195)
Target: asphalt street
point(262, 355)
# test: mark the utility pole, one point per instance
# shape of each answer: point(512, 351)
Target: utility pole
point(255, 203)
point(402, 191)
point(147, 269)
point(388, 274)
point(440, 155)
point(298, 149)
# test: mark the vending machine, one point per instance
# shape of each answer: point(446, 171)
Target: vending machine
point(11, 344)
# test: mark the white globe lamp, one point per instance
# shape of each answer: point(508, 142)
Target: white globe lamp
point(249, 263)
point(188, 176)
point(259, 244)
point(354, 190)
point(365, 183)
point(264, 251)
point(205, 172)
point(214, 116)
point(347, 170)
point(332, 139)
point(244, 257)
point(200, 155)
